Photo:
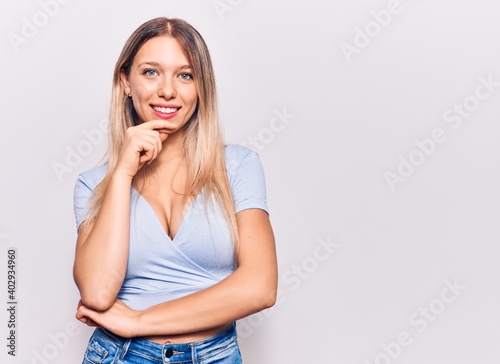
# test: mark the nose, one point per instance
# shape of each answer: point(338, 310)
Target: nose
point(166, 88)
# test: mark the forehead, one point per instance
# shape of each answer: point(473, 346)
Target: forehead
point(164, 50)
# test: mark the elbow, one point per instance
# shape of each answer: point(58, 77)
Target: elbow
point(265, 298)
point(264, 292)
point(94, 293)
point(269, 299)
point(96, 302)
point(99, 299)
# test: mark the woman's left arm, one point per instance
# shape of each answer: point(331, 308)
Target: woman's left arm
point(251, 288)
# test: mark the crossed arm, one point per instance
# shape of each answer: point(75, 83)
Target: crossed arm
point(251, 288)
point(102, 253)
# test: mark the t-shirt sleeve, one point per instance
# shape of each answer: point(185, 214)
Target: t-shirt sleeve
point(249, 185)
point(81, 200)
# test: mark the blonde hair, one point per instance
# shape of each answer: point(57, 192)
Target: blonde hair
point(203, 144)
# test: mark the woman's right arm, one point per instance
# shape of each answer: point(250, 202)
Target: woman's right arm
point(102, 247)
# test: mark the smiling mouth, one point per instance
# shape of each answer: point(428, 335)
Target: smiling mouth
point(166, 110)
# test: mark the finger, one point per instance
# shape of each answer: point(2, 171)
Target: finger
point(141, 137)
point(92, 323)
point(88, 314)
point(159, 140)
point(164, 125)
point(156, 147)
point(81, 315)
point(147, 157)
point(146, 149)
point(80, 318)
point(151, 140)
point(151, 147)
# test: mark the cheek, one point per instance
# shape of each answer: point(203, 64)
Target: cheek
point(195, 101)
point(193, 98)
point(139, 104)
point(143, 90)
point(189, 95)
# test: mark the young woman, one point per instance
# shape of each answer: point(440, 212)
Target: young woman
point(174, 240)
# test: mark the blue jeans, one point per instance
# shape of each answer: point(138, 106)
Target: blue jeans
point(106, 348)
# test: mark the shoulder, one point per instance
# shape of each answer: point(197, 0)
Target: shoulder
point(243, 164)
point(246, 178)
point(235, 155)
point(94, 176)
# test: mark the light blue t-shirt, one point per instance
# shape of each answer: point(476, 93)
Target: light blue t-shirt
point(202, 252)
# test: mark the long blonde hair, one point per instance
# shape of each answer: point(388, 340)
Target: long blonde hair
point(203, 144)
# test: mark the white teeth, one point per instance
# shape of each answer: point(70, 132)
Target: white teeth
point(165, 110)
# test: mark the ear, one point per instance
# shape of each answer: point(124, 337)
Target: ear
point(125, 83)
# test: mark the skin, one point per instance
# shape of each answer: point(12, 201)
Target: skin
point(160, 74)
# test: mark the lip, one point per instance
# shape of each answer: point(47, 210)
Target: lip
point(165, 116)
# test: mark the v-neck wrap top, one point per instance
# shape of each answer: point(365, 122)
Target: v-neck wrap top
point(201, 254)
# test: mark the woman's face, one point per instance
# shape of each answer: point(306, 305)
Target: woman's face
point(161, 82)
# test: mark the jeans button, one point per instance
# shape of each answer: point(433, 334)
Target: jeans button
point(169, 352)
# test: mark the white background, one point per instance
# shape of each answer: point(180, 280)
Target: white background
point(353, 120)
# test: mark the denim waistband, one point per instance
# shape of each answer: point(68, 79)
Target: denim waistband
point(169, 352)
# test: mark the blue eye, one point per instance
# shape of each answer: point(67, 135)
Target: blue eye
point(150, 72)
point(186, 76)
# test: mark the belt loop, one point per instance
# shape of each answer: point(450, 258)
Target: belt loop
point(125, 349)
point(194, 356)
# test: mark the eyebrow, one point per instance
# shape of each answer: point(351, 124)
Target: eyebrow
point(156, 64)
